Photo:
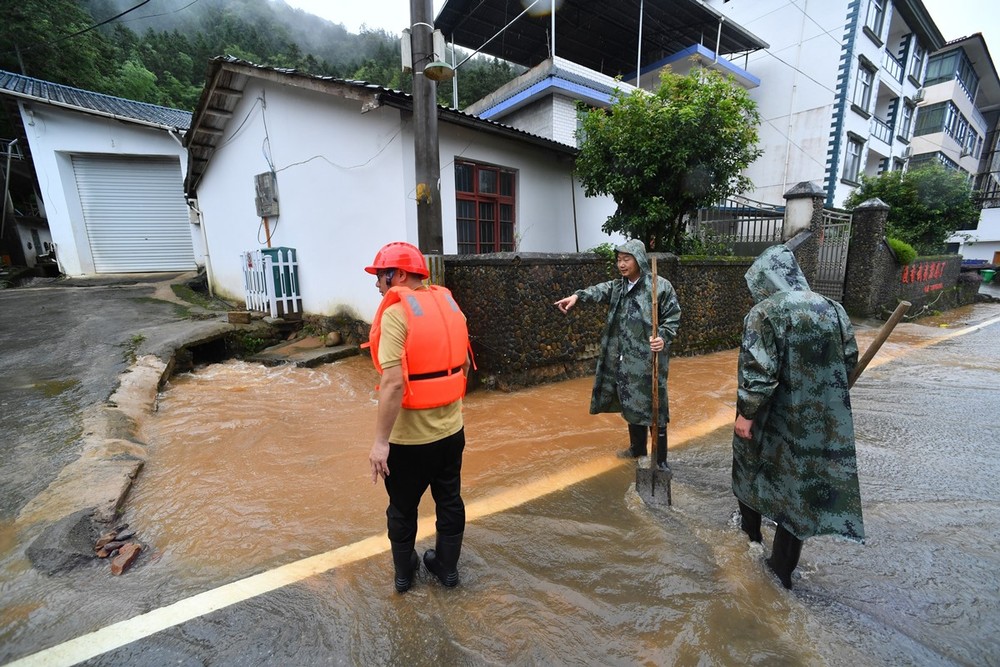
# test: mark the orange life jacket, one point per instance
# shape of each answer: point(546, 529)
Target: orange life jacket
point(437, 345)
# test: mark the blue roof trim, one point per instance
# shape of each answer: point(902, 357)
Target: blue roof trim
point(544, 86)
point(698, 50)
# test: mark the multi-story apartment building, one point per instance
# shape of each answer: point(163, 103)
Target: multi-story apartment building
point(960, 83)
point(840, 85)
point(957, 126)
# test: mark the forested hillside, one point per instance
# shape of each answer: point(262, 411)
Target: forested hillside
point(143, 51)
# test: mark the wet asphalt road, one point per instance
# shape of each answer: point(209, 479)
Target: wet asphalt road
point(923, 590)
point(64, 345)
point(929, 450)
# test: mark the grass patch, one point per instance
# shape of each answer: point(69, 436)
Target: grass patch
point(180, 311)
point(131, 347)
point(52, 388)
point(200, 299)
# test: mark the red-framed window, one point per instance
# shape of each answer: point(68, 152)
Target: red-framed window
point(484, 208)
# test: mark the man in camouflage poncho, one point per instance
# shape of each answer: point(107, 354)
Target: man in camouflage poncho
point(793, 451)
point(624, 378)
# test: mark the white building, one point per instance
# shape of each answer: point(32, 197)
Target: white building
point(96, 180)
point(957, 126)
point(840, 83)
point(339, 155)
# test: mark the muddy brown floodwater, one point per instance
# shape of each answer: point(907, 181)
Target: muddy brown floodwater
point(251, 468)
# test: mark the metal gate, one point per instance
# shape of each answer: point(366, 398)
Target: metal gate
point(745, 226)
point(834, 239)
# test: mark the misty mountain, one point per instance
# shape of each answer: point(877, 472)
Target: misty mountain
point(271, 21)
point(157, 51)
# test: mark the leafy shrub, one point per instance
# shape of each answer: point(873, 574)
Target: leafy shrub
point(607, 251)
point(707, 244)
point(904, 251)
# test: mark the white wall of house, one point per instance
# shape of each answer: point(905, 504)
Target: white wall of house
point(553, 215)
point(800, 84)
point(983, 242)
point(55, 135)
point(796, 96)
point(338, 186)
point(345, 183)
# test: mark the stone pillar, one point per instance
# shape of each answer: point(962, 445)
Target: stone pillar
point(871, 266)
point(804, 211)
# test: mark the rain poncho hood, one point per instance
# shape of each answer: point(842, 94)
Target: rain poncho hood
point(623, 381)
point(775, 270)
point(637, 249)
point(800, 466)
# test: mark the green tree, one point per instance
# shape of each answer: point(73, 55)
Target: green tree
point(478, 78)
point(927, 204)
point(135, 82)
point(48, 39)
point(663, 154)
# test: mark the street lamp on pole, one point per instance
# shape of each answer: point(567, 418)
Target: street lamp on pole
point(427, 160)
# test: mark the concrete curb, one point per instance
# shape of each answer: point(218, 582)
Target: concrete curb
point(112, 456)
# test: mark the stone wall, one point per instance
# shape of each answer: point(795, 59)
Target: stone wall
point(931, 284)
point(520, 339)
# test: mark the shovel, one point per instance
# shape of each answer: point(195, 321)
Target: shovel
point(653, 483)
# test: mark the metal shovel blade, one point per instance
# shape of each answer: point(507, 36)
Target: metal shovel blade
point(653, 485)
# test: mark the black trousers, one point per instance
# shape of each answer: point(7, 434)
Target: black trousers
point(413, 468)
point(785, 550)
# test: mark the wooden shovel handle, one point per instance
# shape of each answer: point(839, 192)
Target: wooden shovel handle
point(883, 334)
point(656, 375)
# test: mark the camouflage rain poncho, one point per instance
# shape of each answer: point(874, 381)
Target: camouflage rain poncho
point(624, 379)
point(798, 350)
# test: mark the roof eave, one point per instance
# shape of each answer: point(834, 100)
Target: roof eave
point(94, 112)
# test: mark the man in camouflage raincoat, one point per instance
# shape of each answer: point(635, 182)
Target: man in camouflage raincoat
point(793, 451)
point(624, 378)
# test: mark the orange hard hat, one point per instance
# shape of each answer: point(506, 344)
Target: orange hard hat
point(399, 255)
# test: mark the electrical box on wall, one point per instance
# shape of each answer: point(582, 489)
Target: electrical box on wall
point(266, 186)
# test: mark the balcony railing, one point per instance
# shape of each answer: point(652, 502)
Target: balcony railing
point(893, 66)
point(881, 130)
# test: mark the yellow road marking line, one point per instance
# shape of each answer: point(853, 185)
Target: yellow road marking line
point(125, 632)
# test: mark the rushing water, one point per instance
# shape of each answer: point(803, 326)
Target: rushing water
point(250, 468)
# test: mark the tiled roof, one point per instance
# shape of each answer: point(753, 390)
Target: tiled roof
point(90, 102)
point(227, 78)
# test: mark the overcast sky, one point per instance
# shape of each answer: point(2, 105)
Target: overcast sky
point(954, 18)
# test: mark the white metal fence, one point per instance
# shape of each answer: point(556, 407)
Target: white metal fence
point(271, 281)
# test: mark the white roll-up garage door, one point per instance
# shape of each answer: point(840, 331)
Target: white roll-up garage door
point(134, 211)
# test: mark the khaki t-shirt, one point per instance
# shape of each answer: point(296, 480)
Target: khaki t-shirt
point(413, 427)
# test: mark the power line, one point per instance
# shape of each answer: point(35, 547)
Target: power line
point(153, 16)
point(79, 32)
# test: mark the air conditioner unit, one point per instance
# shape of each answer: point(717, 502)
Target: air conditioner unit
point(919, 95)
point(907, 152)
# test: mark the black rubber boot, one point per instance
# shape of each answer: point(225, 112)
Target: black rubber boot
point(443, 559)
point(637, 442)
point(661, 449)
point(750, 523)
point(785, 554)
point(406, 562)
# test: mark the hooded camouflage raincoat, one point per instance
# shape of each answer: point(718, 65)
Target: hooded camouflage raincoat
point(624, 378)
point(798, 349)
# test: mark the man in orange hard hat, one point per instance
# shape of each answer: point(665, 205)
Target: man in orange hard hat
point(420, 345)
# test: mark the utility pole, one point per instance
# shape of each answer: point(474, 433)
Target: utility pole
point(425, 131)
